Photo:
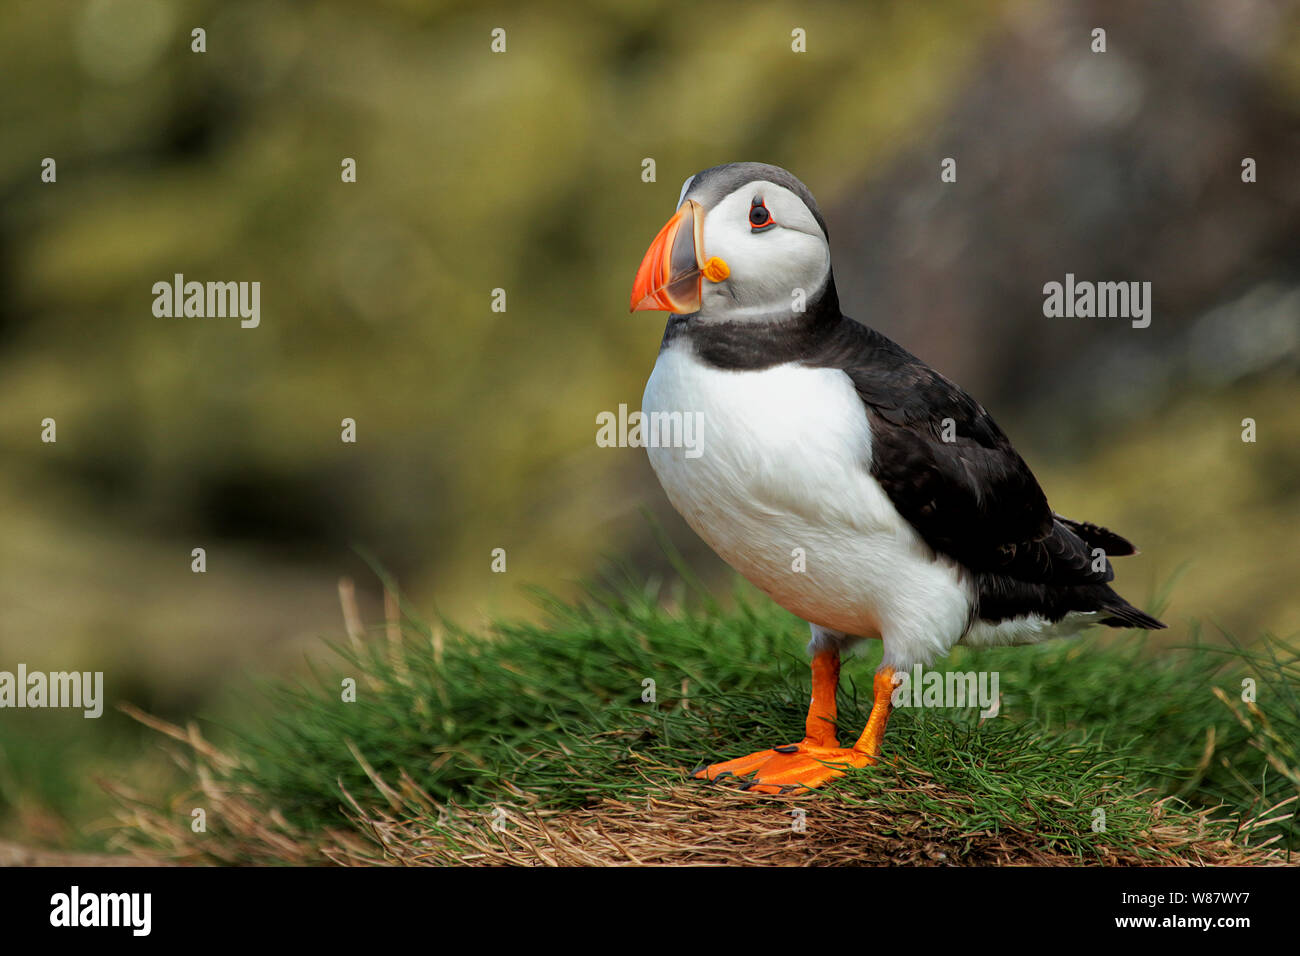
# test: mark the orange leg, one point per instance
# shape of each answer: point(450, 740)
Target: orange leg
point(818, 758)
point(819, 726)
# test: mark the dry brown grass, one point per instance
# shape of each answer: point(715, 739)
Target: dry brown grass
point(701, 825)
point(239, 827)
point(16, 854)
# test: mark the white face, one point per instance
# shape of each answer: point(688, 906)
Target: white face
point(768, 265)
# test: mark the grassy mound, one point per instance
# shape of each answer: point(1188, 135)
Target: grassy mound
point(565, 742)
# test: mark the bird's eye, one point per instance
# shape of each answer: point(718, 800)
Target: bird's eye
point(759, 217)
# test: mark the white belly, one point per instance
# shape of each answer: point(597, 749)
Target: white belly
point(782, 470)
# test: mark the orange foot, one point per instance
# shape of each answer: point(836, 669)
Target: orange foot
point(794, 768)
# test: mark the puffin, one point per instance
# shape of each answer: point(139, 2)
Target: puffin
point(859, 488)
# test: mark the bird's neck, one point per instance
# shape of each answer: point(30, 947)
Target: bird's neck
point(760, 341)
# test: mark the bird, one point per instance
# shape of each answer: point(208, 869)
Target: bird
point(918, 523)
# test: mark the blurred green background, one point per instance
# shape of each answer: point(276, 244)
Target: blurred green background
point(522, 170)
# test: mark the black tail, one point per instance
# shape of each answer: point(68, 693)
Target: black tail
point(1098, 537)
point(1123, 614)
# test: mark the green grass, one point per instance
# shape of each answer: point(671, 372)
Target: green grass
point(555, 710)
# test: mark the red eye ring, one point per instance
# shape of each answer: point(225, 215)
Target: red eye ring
point(760, 218)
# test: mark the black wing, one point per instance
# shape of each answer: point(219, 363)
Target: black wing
point(953, 475)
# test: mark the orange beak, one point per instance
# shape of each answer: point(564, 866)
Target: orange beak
point(669, 277)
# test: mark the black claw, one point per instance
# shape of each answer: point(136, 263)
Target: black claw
point(699, 770)
point(787, 749)
point(789, 788)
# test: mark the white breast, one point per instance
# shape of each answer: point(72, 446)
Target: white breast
point(783, 464)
